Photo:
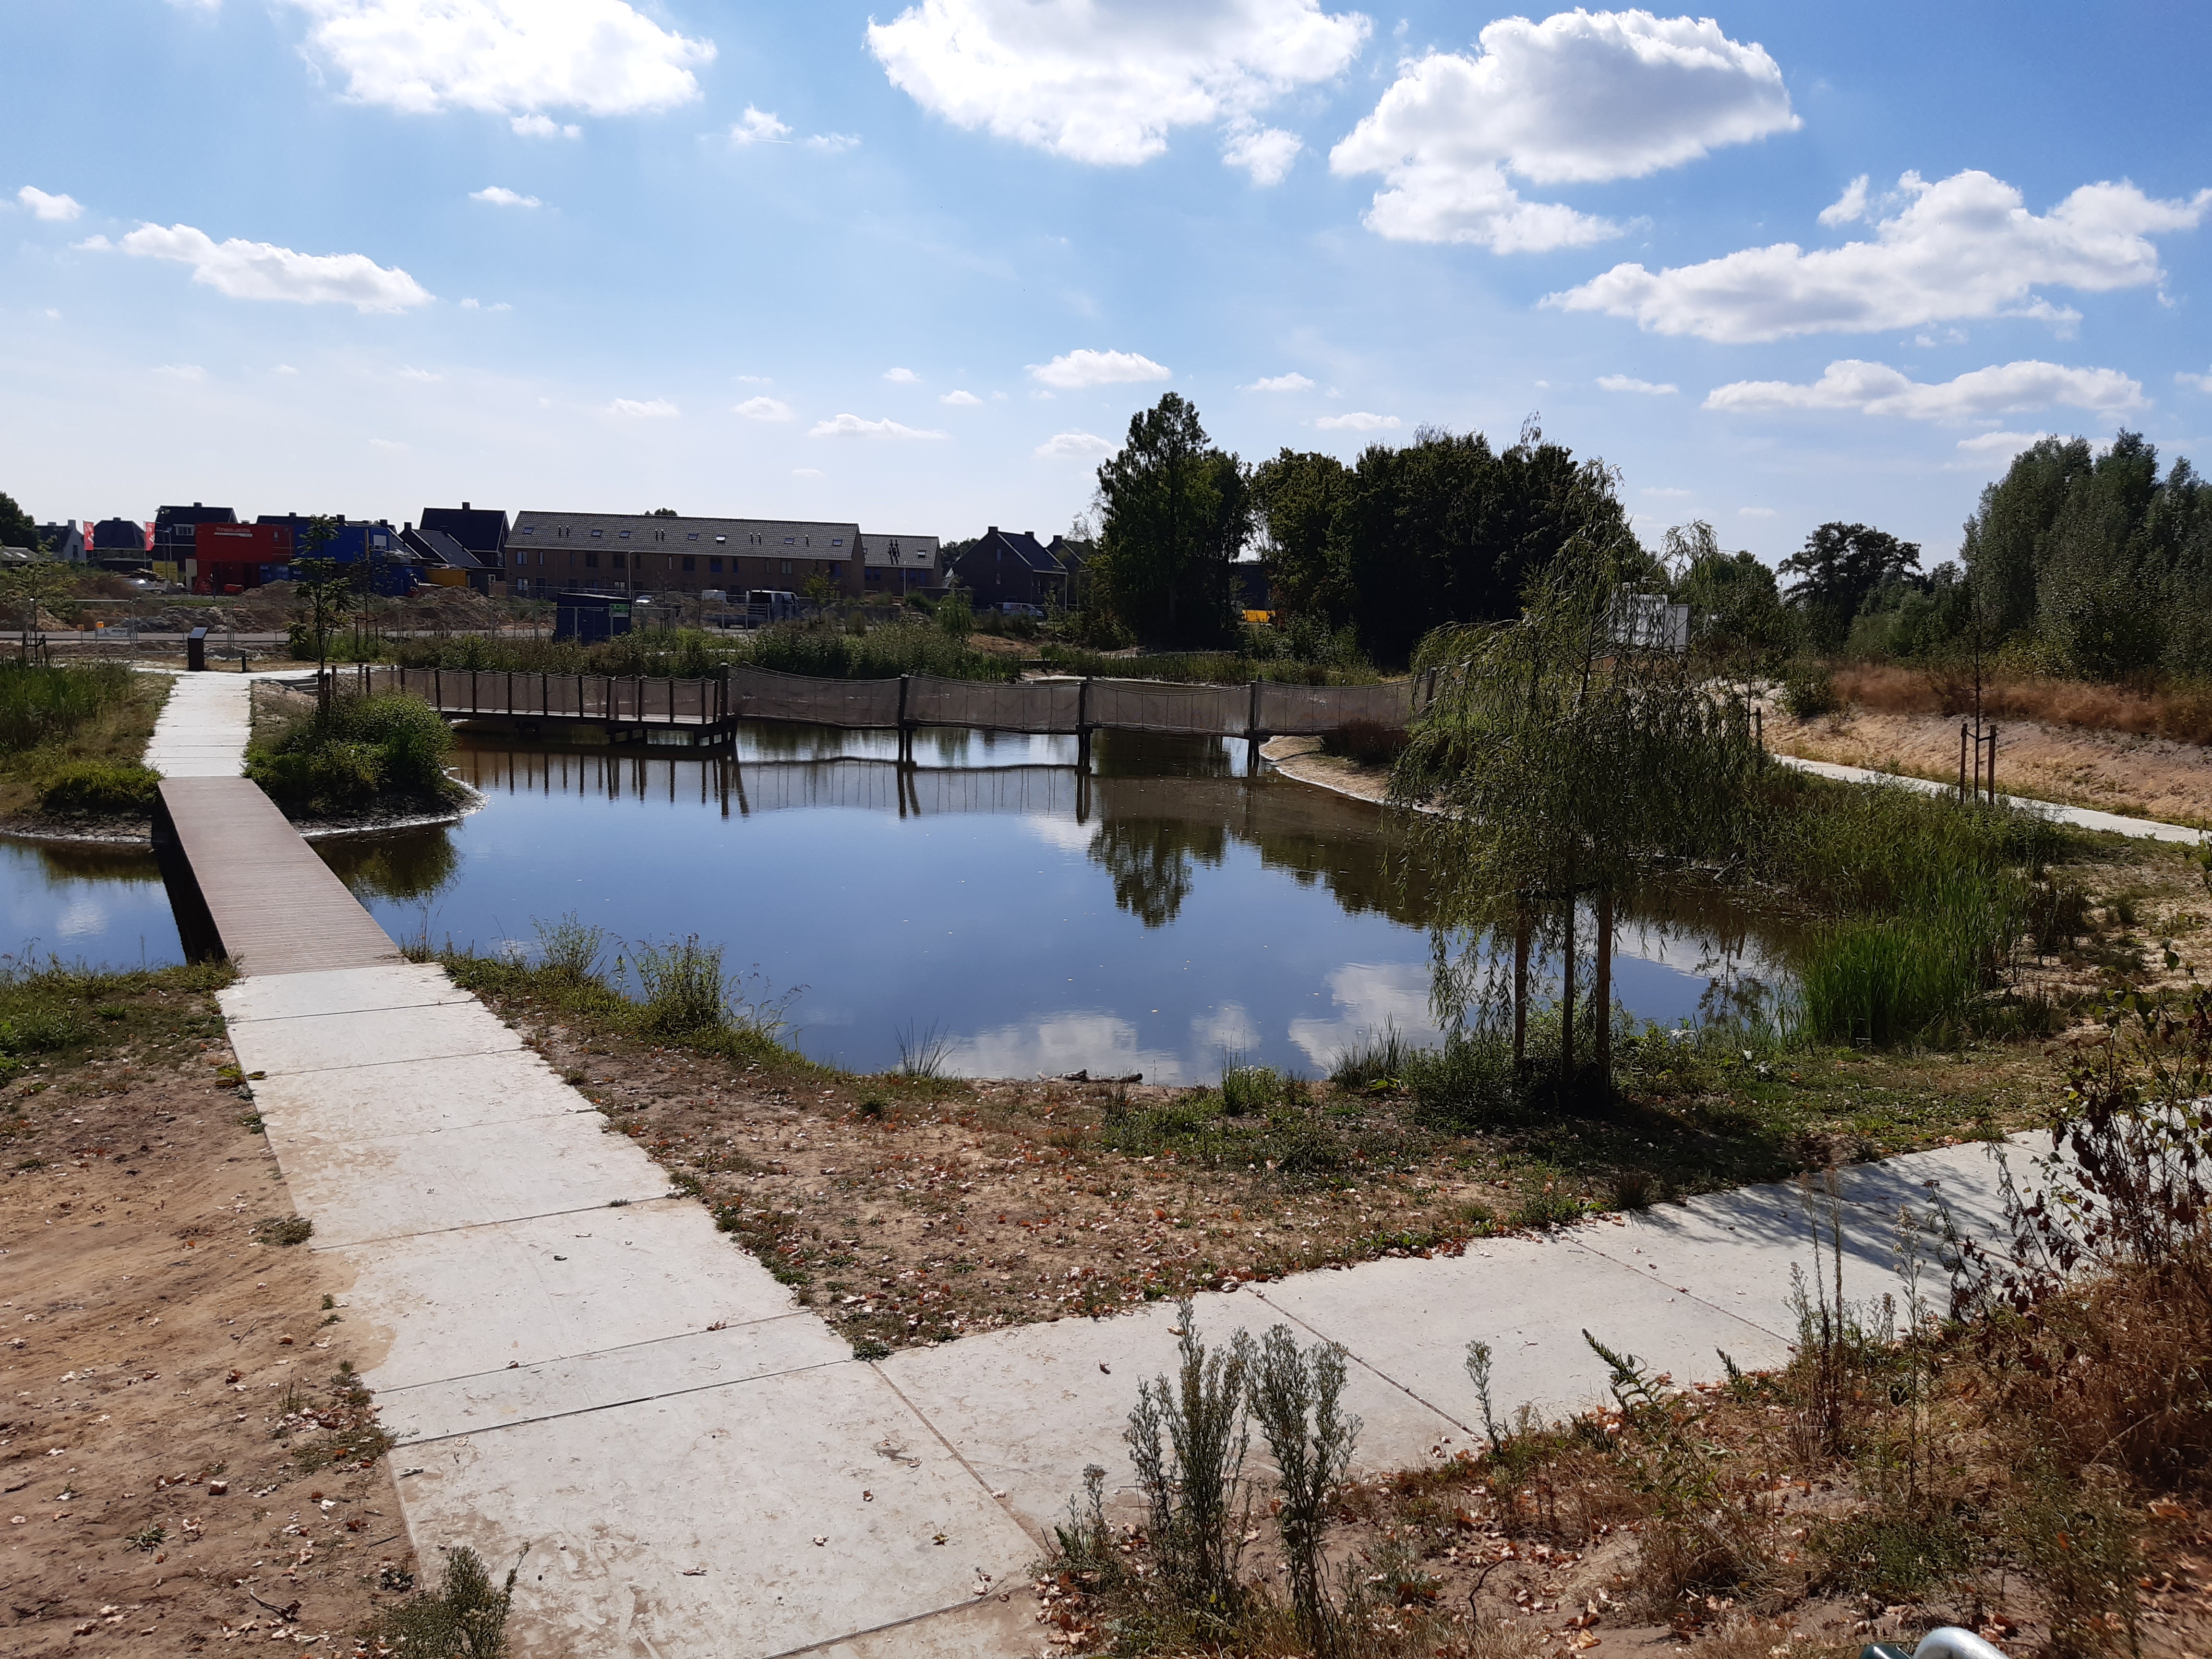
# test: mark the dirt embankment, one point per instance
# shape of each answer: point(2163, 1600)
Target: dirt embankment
point(2142, 776)
point(182, 1457)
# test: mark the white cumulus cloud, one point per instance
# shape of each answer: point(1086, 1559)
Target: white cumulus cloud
point(1106, 83)
point(543, 126)
point(501, 196)
point(835, 143)
point(1076, 370)
point(1074, 447)
point(1579, 98)
point(2195, 382)
point(182, 371)
point(505, 57)
point(1967, 246)
point(852, 426)
point(961, 400)
point(763, 409)
point(901, 377)
point(1999, 446)
point(1630, 383)
point(1849, 208)
point(1292, 382)
point(644, 409)
point(1358, 421)
point(1266, 153)
point(758, 126)
point(261, 270)
point(808, 472)
point(1755, 513)
point(424, 375)
point(1878, 389)
point(56, 210)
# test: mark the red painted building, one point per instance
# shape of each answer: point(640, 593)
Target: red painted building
point(231, 558)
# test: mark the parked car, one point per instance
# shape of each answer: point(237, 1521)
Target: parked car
point(1016, 608)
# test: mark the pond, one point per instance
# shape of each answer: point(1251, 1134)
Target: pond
point(1159, 914)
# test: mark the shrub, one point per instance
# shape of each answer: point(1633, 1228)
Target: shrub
point(97, 787)
point(685, 990)
point(571, 948)
point(1808, 691)
point(881, 653)
point(347, 755)
point(464, 1618)
point(1298, 1400)
point(1187, 1438)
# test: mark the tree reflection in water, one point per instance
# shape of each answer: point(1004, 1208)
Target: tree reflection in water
point(1150, 862)
point(407, 865)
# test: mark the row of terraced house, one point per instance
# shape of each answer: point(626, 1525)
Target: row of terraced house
point(538, 554)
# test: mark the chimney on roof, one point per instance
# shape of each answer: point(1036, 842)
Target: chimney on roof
point(991, 530)
point(1031, 534)
point(195, 503)
point(464, 506)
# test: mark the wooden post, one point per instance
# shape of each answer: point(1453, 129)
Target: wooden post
point(1604, 986)
point(1993, 765)
point(1082, 728)
point(1962, 760)
point(1520, 984)
point(905, 739)
point(438, 689)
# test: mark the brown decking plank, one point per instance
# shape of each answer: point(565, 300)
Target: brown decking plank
point(276, 907)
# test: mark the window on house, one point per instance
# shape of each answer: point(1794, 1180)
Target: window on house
point(787, 567)
point(713, 566)
point(619, 562)
point(693, 536)
point(596, 534)
point(690, 563)
point(790, 540)
point(530, 530)
point(624, 534)
point(591, 562)
point(836, 541)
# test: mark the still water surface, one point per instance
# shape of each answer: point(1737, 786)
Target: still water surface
point(1149, 918)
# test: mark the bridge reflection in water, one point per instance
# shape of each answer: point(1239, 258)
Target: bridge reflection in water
point(1153, 808)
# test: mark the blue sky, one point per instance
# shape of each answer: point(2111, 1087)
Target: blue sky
point(917, 266)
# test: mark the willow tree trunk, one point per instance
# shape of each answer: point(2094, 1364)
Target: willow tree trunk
point(1567, 1001)
point(1602, 997)
point(1520, 985)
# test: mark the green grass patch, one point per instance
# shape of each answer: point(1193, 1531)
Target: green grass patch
point(55, 1016)
point(71, 738)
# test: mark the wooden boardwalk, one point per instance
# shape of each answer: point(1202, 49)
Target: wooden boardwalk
point(243, 885)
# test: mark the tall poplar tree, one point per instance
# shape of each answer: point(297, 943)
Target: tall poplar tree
point(1174, 512)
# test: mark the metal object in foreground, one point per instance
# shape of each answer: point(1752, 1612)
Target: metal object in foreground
point(1945, 1642)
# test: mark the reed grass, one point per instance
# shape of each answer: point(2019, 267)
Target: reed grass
point(41, 705)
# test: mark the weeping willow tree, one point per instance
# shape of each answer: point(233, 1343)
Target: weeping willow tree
point(1560, 757)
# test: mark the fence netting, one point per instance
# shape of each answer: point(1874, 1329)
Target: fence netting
point(762, 693)
point(1039, 706)
point(1044, 706)
point(1309, 710)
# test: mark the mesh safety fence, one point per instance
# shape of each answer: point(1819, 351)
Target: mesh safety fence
point(1047, 706)
point(1041, 706)
point(1156, 706)
point(1308, 710)
point(762, 693)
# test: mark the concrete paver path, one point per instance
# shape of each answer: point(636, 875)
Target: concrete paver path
point(2081, 817)
point(576, 1360)
point(203, 729)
